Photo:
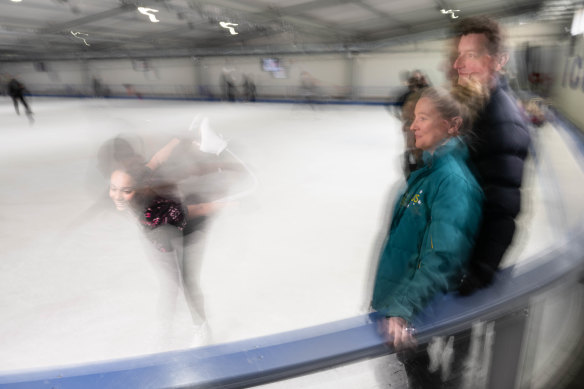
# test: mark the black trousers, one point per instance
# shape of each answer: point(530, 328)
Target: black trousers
point(23, 101)
point(417, 363)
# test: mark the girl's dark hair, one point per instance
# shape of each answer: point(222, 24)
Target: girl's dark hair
point(113, 153)
point(119, 155)
point(148, 184)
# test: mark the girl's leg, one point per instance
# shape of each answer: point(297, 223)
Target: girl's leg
point(15, 102)
point(191, 273)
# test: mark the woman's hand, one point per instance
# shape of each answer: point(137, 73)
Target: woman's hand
point(397, 333)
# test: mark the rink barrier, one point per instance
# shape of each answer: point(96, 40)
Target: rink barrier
point(276, 357)
point(280, 356)
point(208, 99)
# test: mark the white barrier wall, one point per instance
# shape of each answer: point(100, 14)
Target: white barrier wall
point(162, 77)
point(49, 77)
point(379, 73)
point(568, 91)
point(371, 75)
point(331, 71)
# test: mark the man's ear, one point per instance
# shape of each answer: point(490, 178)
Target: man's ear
point(501, 60)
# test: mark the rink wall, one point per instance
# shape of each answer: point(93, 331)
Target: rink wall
point(568, 91)
point(337, 76)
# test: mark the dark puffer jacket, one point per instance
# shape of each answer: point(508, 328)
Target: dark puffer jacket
point(498, 152)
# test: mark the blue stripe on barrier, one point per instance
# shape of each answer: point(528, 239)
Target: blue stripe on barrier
point(239, 363)
point(208, 99)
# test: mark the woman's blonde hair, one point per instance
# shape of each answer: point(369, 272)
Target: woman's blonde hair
point(462, 101)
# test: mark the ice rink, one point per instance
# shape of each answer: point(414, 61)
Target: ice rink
point(77, 281)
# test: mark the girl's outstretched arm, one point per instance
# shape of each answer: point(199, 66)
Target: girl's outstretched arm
point(204, 209)
point(163, 154)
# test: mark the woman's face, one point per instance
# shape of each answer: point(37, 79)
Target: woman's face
point(122, 189)
point(429, 127)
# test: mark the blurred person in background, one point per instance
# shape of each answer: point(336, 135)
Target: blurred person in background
point(499, 146)
point(249, 88)
point(16, 90)
point(4, 79)
point(433, 227)
point(309, 89)
point(227, 82)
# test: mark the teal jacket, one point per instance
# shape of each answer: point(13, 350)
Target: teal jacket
point(433, 229)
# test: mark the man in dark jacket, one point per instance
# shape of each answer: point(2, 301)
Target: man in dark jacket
point(499, 148)
point(16, 90)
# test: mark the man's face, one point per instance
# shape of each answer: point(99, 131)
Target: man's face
point(474, 63)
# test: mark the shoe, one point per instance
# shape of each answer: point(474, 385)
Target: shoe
point(195, 124)
point(211, 142)
point(201, 336)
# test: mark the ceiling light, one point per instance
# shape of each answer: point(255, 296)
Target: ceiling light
point(229, 26)
point(451, 12)
point(147, 12)
point(578, 22)
point(76, 35)
point(16, 1)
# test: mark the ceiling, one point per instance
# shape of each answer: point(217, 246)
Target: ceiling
point(63, 29)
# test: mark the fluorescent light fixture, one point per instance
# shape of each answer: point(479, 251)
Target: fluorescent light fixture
point(147, 12)
point(451, 12)
point(16, 1)
point(76, 35)
point(229, 26)
point(578, 22)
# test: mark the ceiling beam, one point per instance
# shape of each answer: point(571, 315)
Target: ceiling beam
point(124, 8)
point(312, 5)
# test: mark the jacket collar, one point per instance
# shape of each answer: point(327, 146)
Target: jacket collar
point(453, 145)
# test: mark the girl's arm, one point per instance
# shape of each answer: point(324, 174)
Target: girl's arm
point(204, 209)
point(163, 154)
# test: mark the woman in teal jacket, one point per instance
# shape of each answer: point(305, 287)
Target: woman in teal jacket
point(435, 221)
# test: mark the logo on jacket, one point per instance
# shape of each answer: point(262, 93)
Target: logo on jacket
point(415, 200)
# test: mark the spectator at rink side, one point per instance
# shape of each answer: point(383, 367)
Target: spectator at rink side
point(99, 89)
point(131, 91)
point(498, 149)
point(249, 88)
point(417, 82)
point(308, 87)
point(228, 84)
point(4, 79)
point(16, 90)
point(433, 227)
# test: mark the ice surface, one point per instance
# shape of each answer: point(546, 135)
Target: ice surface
point(78, 283)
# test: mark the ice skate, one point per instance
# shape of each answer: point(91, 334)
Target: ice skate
point(201, 336)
